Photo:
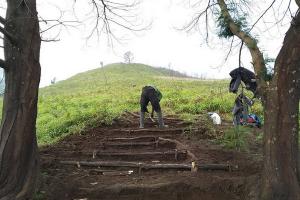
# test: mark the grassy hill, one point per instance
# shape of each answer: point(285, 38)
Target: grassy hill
point(100, 95)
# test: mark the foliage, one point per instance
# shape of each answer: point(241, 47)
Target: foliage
point(205, 128)
point(98, 96)
point(236, 138)
point(223, 25)
point(128, 57)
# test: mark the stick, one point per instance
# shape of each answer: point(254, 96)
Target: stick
point(165, 118)
point(157, 130)
point(224, 167)
point(166, 153)
point(101, 163)
point(126, 144)
point(179, 145)
point(139, 144)
point(141, 138)
point(133, 114)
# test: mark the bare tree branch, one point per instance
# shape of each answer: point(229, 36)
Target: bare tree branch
point(285, 12)
point(50, 40)
point(107, 16)
point(195, 21)
point(261, 16)
point(240, 54)
point(59, 22)
point(230, 49)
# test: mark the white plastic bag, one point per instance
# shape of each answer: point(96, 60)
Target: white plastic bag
point(215, 117)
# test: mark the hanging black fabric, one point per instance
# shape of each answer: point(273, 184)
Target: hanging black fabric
point(241, 108)
point(244, 75)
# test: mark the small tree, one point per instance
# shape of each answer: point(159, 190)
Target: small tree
point(128, 57)
point(53, 81)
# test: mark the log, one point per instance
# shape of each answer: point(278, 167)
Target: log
point(133, 114)
point(165, 118)
point(141, 165)
point(224, 167)
point(167, 166)
point(129, 144)
point(181, 146)
point(156, 143)
point(117, 173)
point(158, 153)
point(180, 154)
point(101, 163)
point(180, 130)
point(141, 138)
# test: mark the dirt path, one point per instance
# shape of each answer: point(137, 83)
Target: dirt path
point(124, 162)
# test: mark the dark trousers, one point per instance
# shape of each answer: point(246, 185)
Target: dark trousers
point(149, 94)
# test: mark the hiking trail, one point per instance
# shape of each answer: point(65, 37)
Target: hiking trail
point(124, 162)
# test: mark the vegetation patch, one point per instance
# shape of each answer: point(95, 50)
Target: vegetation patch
point(98, 96)
point(236, 138)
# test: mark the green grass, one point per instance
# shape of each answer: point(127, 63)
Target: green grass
point(98, 96)
point(236, 138)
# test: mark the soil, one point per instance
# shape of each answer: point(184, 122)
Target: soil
point(126, 164)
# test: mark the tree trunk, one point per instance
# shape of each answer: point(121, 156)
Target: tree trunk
point(281, 104)
point(18, 145)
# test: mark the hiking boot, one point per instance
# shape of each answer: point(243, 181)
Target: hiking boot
point(142, 119)
point(160, 120)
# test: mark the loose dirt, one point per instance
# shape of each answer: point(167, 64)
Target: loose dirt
point(122, 162)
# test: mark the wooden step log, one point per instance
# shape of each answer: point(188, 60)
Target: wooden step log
point(136, 139)
point(147, 166)
point(155, 144)
point(165, 118)
point(128, 144)
point(179, 145)
point(128, 155)
point(114, 172)
point(166, 155)
point(156, 130)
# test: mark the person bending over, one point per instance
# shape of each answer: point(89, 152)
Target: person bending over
point(152, 94)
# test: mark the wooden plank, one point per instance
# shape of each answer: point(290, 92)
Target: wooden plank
point(165, 118)
point(140, 138)
point(150, 153)
point(141, 165)
point(132, 114)
point(129, 144)
point(167, 166)
point(155, 143)
point(101, 163)
point(224, 167)
point(156, 130)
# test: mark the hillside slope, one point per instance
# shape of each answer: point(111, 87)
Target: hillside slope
point(101, 95)
point(110, 74)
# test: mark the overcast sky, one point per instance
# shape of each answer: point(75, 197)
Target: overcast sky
point(162, 45)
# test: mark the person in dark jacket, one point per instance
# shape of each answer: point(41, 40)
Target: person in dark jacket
point(245, 75)
point(153, 95)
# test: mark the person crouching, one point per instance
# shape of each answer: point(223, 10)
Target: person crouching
point(152, 94)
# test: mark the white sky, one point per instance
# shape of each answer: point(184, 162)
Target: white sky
point(159, 46)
